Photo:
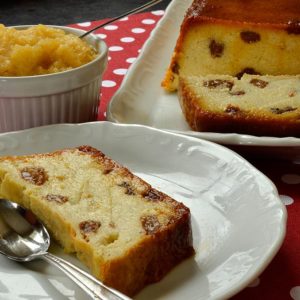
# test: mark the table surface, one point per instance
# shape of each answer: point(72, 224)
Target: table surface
point(281, 279)
point(57, 12)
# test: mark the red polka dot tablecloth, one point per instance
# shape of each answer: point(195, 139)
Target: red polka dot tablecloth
point(124, 39)
point(281, 279)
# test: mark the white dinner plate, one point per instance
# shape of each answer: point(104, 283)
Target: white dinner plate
point(238, 220)
point(141, 100)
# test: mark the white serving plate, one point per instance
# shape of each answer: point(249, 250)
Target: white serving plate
point(141, 100)
point(238, 220)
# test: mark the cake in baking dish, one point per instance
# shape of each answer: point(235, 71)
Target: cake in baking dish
point(128, 233)
point(236, 36)
point(258, 105)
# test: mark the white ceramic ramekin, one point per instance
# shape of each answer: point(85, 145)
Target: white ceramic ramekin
point(66, 97)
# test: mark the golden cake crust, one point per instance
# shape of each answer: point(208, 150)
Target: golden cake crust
point(163, 240)
point(255, 11)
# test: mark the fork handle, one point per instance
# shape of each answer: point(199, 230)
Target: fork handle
point(135, 10)
point(94, 288)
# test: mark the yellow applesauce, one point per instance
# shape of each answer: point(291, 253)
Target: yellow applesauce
point(41, 50)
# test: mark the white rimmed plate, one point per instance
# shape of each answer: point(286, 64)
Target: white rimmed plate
point(141, 100)
point(238, 219)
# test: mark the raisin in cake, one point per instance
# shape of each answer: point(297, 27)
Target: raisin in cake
point(259, 105)
point(125, 231)
point(236, 36)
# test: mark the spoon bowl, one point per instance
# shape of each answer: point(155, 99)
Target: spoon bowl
point(24, 238)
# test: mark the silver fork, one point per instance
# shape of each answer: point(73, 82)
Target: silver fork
point(135, 10)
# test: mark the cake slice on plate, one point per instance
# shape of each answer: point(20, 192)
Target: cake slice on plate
point(236, 36)
point(258, 105)
point(128, 233)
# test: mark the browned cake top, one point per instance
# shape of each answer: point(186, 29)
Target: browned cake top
point(253, 11)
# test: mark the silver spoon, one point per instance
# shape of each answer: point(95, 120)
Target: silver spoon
point(135, 10)
point(23, 238)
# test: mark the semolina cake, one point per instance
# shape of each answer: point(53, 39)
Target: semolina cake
point(234, 37)
point(260, 105)
point(128, 233)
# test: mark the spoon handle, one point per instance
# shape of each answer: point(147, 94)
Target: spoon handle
point(135, 10)
point(94, 288)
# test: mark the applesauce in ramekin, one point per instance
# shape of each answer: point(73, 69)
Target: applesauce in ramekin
point(41, 49)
